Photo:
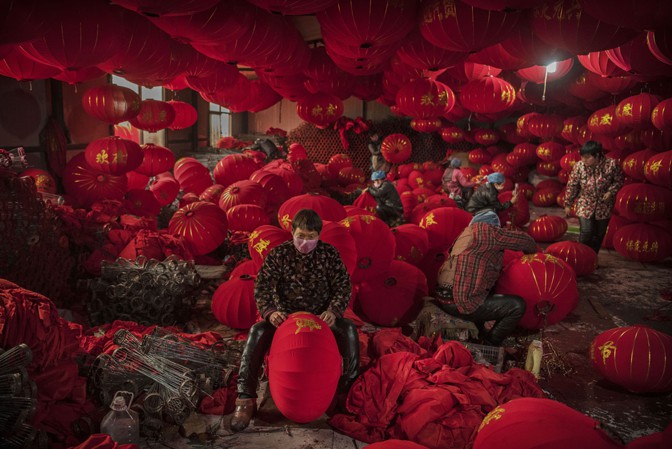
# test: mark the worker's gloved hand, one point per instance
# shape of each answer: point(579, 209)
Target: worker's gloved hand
point(277, 318)
point(328, 317)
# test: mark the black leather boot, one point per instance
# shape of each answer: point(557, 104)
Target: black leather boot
point(347, 340)
point(258, 343)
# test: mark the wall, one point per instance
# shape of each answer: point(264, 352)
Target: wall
point(23, 112)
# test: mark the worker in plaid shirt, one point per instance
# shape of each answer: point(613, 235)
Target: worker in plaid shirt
point(466, 277)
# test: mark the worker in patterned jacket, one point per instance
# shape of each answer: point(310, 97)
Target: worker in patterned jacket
point(304, 274)
point(592, 187)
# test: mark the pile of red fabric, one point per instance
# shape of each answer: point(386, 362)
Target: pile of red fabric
point(435, 396)
point(102, 441)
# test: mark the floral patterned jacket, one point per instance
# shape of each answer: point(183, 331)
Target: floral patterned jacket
point(588, 185)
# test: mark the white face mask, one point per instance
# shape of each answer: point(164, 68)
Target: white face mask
point(305, 246)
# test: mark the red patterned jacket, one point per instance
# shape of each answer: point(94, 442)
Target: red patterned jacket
point(588, 185)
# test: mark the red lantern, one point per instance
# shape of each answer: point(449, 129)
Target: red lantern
point(633, 164)
point(634, 357)
point(327, 208)
point(338, 236)
point(544, 198)
point(540, 74)
point(111, 103)
point(233, 302)
point(235, 167)
point(420, 54)
point(658, 170)
point(518, 214)
point(611, 84)
point(485, 137)
point(185, 115)
point(338, 162)
point(142, 203)
point(643, 202)
point(246, 217)
point(547, 228)
point(634, 56)
point(615, 223)
point(394, 298)
point(88, 185)
point(292, 180)
point(412, 243)
point(293, 7)
point(160, 8)
point(452, 134)
point(304, 366)
point(44, 182)
point(546, 283)
point(444, 224)
point(375, 245)
point(599, 63)
point(351, 175)
point(568, 160)
point(499, 164)
point(635, 112)
point(545, 126)
point(528, 152)
point(155, 159)
point(113, 155)
point(580, 257)
point(320, 109)
point(550, 151)
point(262, 240)
point(275, 187)
point(479, 156)
point(243, 192)
point(212, 194)
point(537, 423)
point(202, 225)
point(661, 116)
point(18, 65)
point(424, 98)
point(643, 242)
point(548, 168)
point(165, 190)
point(193, 176)
point(153, 116)
point(426, 125)
point(488, 95)
point(396, 148)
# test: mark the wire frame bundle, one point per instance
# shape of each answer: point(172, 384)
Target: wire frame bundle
point(144, 291)
point(17, 399)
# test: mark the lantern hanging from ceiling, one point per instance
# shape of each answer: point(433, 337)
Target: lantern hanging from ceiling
point(658, 170)
point(633, 164)
point(396, 148)
point(541, 74)
point(452, 134)
point(293, 7)
point(634, 357)
point(635, 112)
point(304, 366)
point(444, 224)
point(155, 159)
point(375, 245)
point(154, 115)
point(233, 303)
point(243, 192)
point(634, 56)
point(202, 225)
point(469, 71)
point(643, 202)
point(159, 8)
point(424, 98)
point(630, 14)
point(488, 94)
point(113, 155)
point(24, 20)
point(16, 64)
point(643, 242)
point(612, 84)
point(326, 207)
point(599, 63)
point(111, 103)
point(546, 283)
point(661, 116)
point(185, 115)
point(660, 44)
point(262, 240)
point(235, 167)
point(428, 125)
point(497, 56)
point(580, 257)
point(420, 54)
point(87, 185)
point(320, 109)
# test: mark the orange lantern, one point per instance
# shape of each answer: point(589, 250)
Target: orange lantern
point(233, 302)
point(488, 95)
point(304, 366)
point(546, 283)
point(113, 155)
point(658, 169)
point(548, 228)
point(580, 257)
point(643, 242)
point(375, 245)
point(320, 109)
point(155, 159)
point(643, 202)
point(634, 357)
point(235, 167)
point(111, 103)
point(326, 207)
point(262, 240)
point(202, 225)
point(396, 148)
point(444, 224)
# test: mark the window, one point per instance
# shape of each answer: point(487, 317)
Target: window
point(124, 130)
point(220, 123)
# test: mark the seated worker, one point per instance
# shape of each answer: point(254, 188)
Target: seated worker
point(378, 162)
point(389, 207)
point(305, 274)
point(485, 196)
point(454, 183)
point(472, 269)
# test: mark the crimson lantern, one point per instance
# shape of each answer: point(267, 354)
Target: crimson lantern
point(518, 214)
point(338, 236)
point(452, 134)
point(479, 156)
point(193, 176)
point(155, 159)
point(320, 109)
point(425, 99)
point(142, 203)
point(44, 182)
point(661, 116)
point(202, 225)
point(570, 128)
point(235, 167)
point(275, 187)
point(87, 185)
point(396, 148)
point(488, 95)
point(113, 155)
point(658, 170)
point(375, 245)
point(212, 194)
point(412, 243)
point(165, 190)
point(634, 357)
point(643, 202)
point(548, 228)
point(643, 242)
point(243, 192)
point(544, 198)
point(304, 366)
point(545, 126)
point(635, 112)
point(546, 283)
point(246, 217)
point(111, 103)
point(185, 115)
point(154, 115)
point(233, 302)
point(326, 207)
point(550, 151)
point(579, 256)
point(444, 224)
point(484, 136)
point(262, 240)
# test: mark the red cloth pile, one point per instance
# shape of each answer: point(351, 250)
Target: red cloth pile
point(436, 397)
point(102, 441)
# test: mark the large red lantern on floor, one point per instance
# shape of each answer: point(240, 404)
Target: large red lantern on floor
point(44, 182)
point(540, 423)
point(615, 223)
point(643, 202)
point(113, 155)
point(185, 115)
point(635, 112)
point(579, 256)
point(338, 236)
point(547, 228)
point(111, 103)
point(425, 99)
point(658, 170)
point(155, 159)
point(246, 217)
point(546, 283)
point(243, 192)
point(544, 198)
point(488, 95)
point(276, 189)
point(233, 303)
point(396, 148)
point(202, 225)
point(165, 190)
point(154, 115)
point(88, 185)
point(634, 357)
point(320, 109)
point(643, 242)
point(193, 176)
point(412, 243)
point(304, 366)
point(235, 167)
point(262, 240)
point(326, 207)
point(375, 245)
point(212, 194)
point(444, 224)
point(394, 298)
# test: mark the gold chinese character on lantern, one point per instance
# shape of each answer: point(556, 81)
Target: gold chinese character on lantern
point(594, 120)
point(317, 111)
point(506, 96)
point(606, 350)
point(654, 247)
point(428, 221)
point(102, 157)
point(286, 221)
point(605, 119)
point(308, 323)
point(655, 166)
point(494, 415)
point(119, 156)
point(427, 100)
point(261, 246)
point(254, 235)
point(627, 110)
point(331, 109)
point(443, 98)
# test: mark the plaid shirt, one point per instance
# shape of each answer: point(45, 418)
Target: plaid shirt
point(588, 185)
point(290, 281)
point(477, 268)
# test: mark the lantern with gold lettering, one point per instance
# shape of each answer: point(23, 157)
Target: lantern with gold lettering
point(604, 122)
point(396, 148)
point(484, 136)
point(633, 164)
point(154, 115)
point(426, 125)
point(546, 283)
point(412, 243)
point(452, 134)
point(643, 242)
point(533, 423)
point(544, 197)
point(487, 95)
point(635, 112)
point(658, 170)
point(320, 109)
point(634, 357)
point(233, 302)
point(326, 207)
point(661, 116)
point(87, 185)
point(44, 182)
point(570, 128)
point(113, 155)
point(375, 244)
point(155, 159)
point(548, 168)
point(579, 256)
point(304, 366)
point(547, 228)
point(550, 151)
point(202, 225)
point(444, 224)
point(643, 202)
point(425, 99)
point(262, 240)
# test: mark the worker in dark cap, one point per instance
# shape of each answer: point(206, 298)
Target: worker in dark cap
point(485, 198)
point(389, 207)
point(455, 183)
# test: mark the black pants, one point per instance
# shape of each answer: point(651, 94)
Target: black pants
point(506, 310)
point(592, 232)
point(388, 214)
point(259, 342)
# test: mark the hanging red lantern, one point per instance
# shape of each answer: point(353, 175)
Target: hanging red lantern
point(136, 180)
point(243, 192)
point(246, 217)
point(155, 159)
point(489, 94)
point(44, 182)
point(185, 115)
point(165, 190)
point(326, 207)
point(635, 112)
point(153, 116)
point(581, 88)
point(550, 151)
point(486, 137)
point(457, 26)
point(87, 185)
point(546, 283)
point(547, 228)
point(570, 128)
point(320, 109)
point(599, 63)
point(426, 125)
point(111, 103)
point(633, 164)
point(444, 224)
point(580, 257)
point(394, 298)
point(452, 134)
point(412, 243)
point(643, 202)
point(497, 56)
point(634, 357)
point(235, 167)
point(159, 8)
point(202, 225)
point(538, 422)
point(658, 170)
point(113, 155)
point(262, 240)
point(612, 84)
point(424, 98)
point(304, 366)
point(396, 148)
point(293, 7)
point(634, 56)
point(661, 116)
point(604, 122)
point(643, 242)
point(233, 302)
point(545, 126)
point(16, 64)
point(479, 156)
point(541, 74)
point(420, 54)
point(375, 245)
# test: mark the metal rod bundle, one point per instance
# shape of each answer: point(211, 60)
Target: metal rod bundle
point(15, 358)
point(23, 436)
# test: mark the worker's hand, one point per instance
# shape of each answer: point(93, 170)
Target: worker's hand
point(514, 197)
point(568, 210)
point(606, 196)
point(277, 318)
point(328, 317)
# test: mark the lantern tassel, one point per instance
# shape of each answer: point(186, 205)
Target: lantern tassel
point(543, 94)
